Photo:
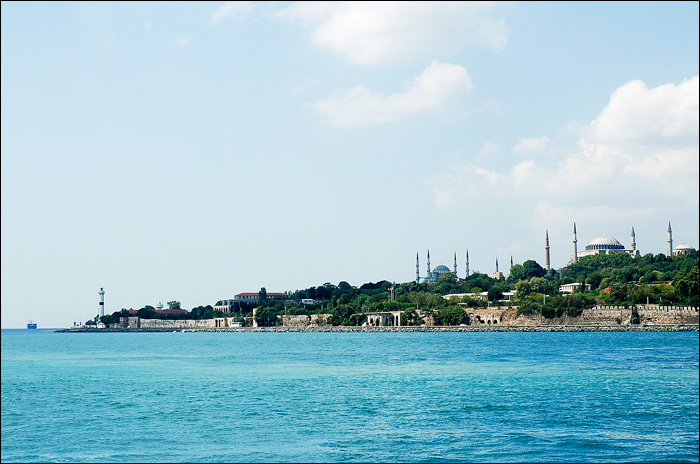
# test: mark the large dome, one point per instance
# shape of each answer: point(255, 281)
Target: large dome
point(441, 269)
point(604, 243)
point(684, 247)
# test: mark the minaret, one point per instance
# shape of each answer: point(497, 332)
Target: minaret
point(467, 275)
point(430, 274)
point(669, 241)
point(546, 249)
point(455, 264)
point(633, 245)
point(417, 270)
point(496, 264)
point(575, 249)
point(102, 301)
point(511, 261)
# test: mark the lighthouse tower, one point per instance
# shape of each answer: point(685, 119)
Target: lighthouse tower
point(102, 301)
point(546, 249)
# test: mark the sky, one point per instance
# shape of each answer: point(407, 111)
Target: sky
point(192, 151)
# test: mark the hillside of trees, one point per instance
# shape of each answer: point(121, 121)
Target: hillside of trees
point(615, 279)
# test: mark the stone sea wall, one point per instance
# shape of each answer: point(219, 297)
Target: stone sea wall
point(550, 328)
point(597, 316)
point(651, 317)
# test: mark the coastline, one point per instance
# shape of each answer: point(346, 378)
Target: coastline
point(553, 328)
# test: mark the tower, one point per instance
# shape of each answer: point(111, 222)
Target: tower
point(633, 245)
point(467, 275)
point(102, 302)
point(669, 241)
point(546, 249)
point(430, 274)
point(496, 264)
point(417, 269)
point(575, 249)
point(455, 264)
point(511, 261)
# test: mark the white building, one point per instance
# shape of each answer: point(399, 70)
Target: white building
point(569, 288)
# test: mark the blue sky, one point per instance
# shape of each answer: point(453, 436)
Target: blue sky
point(193, 151)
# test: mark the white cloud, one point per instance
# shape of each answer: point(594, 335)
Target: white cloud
point(532, 145)
point(490, 149)
point(665, 114)
point(639, 155)
point(377, 32)
point(437, 84)
point(468, 185)
point(232, 10)
point(184, 40)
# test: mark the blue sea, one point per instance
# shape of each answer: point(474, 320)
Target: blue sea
point(349, 397)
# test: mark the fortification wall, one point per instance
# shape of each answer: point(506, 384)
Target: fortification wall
point(655, 314)
point(599, 315)
point(182, 324)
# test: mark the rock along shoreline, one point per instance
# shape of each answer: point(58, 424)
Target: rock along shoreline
point(557, 328)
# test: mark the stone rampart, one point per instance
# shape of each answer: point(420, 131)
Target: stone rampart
point(177, 324)
point(651, 314)
point(603, 316)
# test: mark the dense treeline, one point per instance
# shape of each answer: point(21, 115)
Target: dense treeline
point(615, 279)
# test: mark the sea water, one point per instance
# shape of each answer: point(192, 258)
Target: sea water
point(335, 397)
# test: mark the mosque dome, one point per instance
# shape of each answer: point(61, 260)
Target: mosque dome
point(683, 250)
point(604, 243)
point(441, 269)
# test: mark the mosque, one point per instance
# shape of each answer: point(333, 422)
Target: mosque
point(607, 245)
point(603, 245)
point(438, 271)
point(431, 276)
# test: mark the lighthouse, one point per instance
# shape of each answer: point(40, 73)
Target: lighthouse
point(102, 301)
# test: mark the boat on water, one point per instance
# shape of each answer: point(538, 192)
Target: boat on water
point(31, 324)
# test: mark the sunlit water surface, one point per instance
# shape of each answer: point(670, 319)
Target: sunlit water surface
point(333, 397)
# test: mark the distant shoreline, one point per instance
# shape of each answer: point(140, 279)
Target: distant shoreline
point(558, 328)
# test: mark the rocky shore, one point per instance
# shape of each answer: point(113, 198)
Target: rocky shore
point(553, 328)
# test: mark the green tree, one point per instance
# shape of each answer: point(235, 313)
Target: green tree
point(262, 296)
point(494, 294)
point(146, 313)
point(445, 284)
point(451, 315)
point(409, 316)
point(532, 269)
point(173, 304)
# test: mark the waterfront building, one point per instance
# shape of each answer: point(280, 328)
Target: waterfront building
point(569, 288)
point(255, 297)
point(225, 306)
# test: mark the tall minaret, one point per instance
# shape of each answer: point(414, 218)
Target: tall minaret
point(496, 264)
point(455, 264)
point(430, 274)
point(575, 249)
point(102, 301)
point(633, 245)
point(417, 270)
point(467, 275)
point(669, 241)
point(546, 249)
point(511, 261)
